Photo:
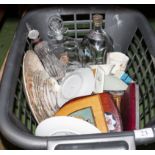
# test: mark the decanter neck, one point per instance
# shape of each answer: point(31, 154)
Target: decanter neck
point(97, 28)
point(97, 22)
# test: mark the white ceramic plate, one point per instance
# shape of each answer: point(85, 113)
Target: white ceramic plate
point(78, 83)
point(64, 125)
point(71, 85)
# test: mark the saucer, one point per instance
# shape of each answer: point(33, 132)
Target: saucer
point(64, 125)
point(78, 83)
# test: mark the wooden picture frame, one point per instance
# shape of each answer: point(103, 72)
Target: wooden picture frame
point(92, 102)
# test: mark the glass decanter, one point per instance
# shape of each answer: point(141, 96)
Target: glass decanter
point(50, 62)
point(65, 48)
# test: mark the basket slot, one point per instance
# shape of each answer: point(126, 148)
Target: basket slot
point(79, 24)
point(67, 17)
point(20, 107)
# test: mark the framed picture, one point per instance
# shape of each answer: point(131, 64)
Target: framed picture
point(87, 108)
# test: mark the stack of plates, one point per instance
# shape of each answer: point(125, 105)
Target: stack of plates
point(40, 89)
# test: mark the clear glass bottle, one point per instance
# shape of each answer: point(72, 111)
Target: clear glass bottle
point(97, 43)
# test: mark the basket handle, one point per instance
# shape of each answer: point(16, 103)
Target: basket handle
point(124, 140)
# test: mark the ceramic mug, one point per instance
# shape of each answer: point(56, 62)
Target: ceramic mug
point(118, 59)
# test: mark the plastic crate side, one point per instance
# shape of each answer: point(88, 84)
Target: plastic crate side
point(8, 128)
point(142, 69)
point(122, 25)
